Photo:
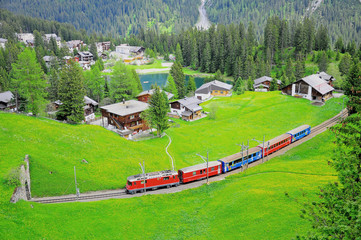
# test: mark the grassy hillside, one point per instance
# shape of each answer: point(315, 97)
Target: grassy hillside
point(55, 148)
point(251, 205)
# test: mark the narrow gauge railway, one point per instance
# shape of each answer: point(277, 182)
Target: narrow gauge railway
point(168, 178)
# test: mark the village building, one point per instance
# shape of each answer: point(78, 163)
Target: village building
point(3, 42)
point(127, 50)
point(263, 84)
point(27, 38)
point(85, 59)
point(48, 60)
point(102, 46)
point(89, 108)
point(47, 38)
point(188, 108)
point(126, 115)
point(75, 45)
point(312, 87)
point(328, 78)
point(214, 88)
point(145, 95)
point(7, 101)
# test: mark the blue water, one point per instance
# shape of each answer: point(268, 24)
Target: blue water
point(160, 79)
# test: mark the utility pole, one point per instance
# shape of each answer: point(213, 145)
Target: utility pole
point(243, 148)
point(262, 146)
point(143, 170)
point(207, 163)
point(76, 184)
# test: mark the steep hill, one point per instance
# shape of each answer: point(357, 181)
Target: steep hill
point(342, 18)
point(111, 16)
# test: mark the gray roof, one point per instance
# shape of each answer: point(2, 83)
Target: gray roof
point(326, 76)
point(6, 96)
point(3, 40)
point(48, 58)
point(298, 129)
point(73, 43)
point(152, 175)
point(124, 109)
point(52, 35)
point(318, 84)
point(260, 85)
point(88, 100)
point(238, 155)
point(200, 166)
point(85, 54)
point(214, 85)
point(186, 113)
point(264, 79)
point(151, 92)
point(192, 103)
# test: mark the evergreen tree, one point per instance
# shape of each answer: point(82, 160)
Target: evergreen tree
point(353, 89)
point(137, 80)
point(71, 93)
point(94, 51)
point(4, 80)
point(179, 55)
point(171, 87)
point(54, 82)
point(177, 73)
point(273, 85)
point(191, 86)
point(345, 64)
point(94, 83)
point(194, 61)
point(156, 114)
point(240, 86)
point(339, 45)
point(323, 62)
point(299, 70)
point(28, 81)
point(122, 84)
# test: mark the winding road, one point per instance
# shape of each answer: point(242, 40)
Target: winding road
point(120, 193)
point(203, 22)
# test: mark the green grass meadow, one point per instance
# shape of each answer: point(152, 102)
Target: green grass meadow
point(262, 203)
point(55, 148)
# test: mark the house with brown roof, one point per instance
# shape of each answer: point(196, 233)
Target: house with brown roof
point(126, 115)
point(145, 95)
point(312, 87)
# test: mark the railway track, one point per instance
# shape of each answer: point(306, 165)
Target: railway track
point(120, 193)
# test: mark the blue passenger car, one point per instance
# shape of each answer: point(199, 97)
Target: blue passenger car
point(234, 161)
point(300, 132)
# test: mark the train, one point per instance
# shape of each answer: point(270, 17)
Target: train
point(170, 178)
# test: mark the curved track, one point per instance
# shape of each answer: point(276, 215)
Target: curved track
point(120, 193)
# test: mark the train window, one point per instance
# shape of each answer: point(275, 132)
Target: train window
point(129, 183)
point(173, 177)
point(166, 178)
point(135, 183)
point(212, 169)
point(194, 173)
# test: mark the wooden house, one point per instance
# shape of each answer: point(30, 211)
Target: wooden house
point(263, 84)
point(145, 95)
point(7, 101)
point(312, 87)
point(3, 42)
point(328, 78)
point(214, 88)
point(126, 115)
point(187, 108)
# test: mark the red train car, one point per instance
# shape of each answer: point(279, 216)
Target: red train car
point(276, 144)
point(193, 173)
point(153, 180)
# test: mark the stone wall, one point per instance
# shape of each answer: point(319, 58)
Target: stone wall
point(23, 192)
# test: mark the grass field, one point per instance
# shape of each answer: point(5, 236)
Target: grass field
point(250, 205)
point(55, 148)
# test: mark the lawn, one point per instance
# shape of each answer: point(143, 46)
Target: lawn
point(55, 148)
point(262, 203)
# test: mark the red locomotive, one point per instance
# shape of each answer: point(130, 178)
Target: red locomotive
point(153, 180)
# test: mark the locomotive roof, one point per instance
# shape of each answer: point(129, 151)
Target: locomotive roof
point(298, 129)
point(239, 155)
point(152, 175)
point(275, 140)
point(200, 166)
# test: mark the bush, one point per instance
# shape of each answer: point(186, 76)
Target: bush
point(213, 111)
point(12, 178)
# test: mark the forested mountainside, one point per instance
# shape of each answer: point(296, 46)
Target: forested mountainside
point(342, 17)
point(118, 17)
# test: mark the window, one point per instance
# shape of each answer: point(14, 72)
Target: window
point(129, 183)
point(131, 117)
point(194, 173)
point(135, 183)
point(221, 92)
point(142, 182)
point(212, 169)
point(166, 178)
point(173, 177)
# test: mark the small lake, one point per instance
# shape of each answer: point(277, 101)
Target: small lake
point(160, 79)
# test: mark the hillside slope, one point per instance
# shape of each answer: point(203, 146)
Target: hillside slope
point(342, 18)
point(118, 17)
